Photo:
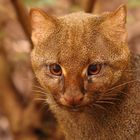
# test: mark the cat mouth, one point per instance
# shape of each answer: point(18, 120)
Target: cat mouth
point(74, 109)
point(77, 108)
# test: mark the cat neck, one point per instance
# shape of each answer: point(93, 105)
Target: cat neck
point(78, 125)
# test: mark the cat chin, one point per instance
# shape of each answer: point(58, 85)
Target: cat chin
point(70, 108)
point(74, 110)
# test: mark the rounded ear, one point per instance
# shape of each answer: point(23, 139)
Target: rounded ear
point(42, 25)
point(114, 24)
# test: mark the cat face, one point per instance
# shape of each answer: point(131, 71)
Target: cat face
point(78, 57)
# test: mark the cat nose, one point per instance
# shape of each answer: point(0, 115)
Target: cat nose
point(73, 100)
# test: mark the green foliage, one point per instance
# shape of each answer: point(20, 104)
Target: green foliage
point(36, 3)
point(134, 3)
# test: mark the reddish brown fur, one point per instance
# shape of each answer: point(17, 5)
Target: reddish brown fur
point(75, 41)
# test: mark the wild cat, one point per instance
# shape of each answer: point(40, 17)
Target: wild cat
point(90, 76)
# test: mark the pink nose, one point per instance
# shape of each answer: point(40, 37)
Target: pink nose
point(74, 100)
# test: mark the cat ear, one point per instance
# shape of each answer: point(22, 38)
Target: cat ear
point(42, 25)
point(114, 24)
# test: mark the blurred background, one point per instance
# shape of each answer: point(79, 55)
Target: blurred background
point(23, 115)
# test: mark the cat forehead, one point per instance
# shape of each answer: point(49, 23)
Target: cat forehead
point(74, 48)
point(77, 40)
point(78, 19)
point(77, 29)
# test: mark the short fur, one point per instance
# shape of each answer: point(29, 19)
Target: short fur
point(110, 109)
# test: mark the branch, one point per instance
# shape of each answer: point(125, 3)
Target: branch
point(88, 5)
point(23, 17)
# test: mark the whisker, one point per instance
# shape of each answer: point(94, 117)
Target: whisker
point(38, 87)
point(40, 94)
point(108, 94)
point(99, 106)
point(38, 91)
point(39, 99)
point(122, 84)
point(122, 92)
point(44, 105)
point(104, 101)
point(110, 98)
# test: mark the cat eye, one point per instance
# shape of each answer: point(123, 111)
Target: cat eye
point(55, 69)
point(94, 69)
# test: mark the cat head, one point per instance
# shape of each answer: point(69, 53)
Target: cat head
point(78, 57)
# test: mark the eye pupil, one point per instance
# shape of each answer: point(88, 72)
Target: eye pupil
point(55, 69)
point(94, 69)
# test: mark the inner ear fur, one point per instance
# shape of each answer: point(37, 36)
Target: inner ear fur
point(113, 25)
point(42, 24)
